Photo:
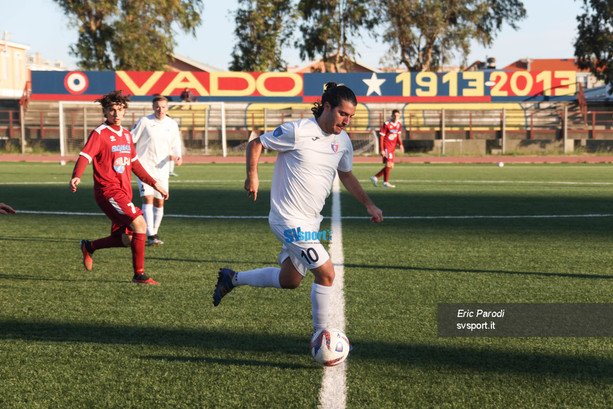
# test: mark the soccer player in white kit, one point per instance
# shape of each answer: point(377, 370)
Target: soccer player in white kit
point(158, 143)
point(311, 153)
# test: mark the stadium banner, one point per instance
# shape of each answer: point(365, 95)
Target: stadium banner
point(288, 87)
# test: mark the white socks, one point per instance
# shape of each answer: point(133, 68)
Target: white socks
point(148, 214)
point(261, 277)
point(153, 217)
point(269, 277)
point(158, 213)
point(320, 305)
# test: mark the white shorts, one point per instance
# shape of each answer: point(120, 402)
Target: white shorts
point(147, 190)
point(301, 243)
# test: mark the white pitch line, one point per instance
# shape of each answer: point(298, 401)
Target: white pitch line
point(500, 182)
point(510, 182)
point(333, 393)
point(182, 216)
point(442, 217)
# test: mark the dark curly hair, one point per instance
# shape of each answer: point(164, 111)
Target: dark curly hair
point(333, 94)
point(114, 98)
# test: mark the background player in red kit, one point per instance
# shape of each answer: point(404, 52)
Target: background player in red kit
point(111, 149)
point(390, 137)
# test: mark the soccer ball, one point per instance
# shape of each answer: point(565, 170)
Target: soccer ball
point(500, 164)
point(329, 347)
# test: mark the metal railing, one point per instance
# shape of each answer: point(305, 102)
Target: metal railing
point(41, 126)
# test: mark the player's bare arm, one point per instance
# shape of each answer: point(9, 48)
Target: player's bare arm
point(6, 209)
point(74, 182)
point(252, 183)
point(352, 184)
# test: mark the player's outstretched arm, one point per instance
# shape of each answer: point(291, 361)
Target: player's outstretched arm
point(252, 182)
point(6, 209)
point(352, 184)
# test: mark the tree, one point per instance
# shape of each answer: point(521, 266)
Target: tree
point(262, 29)
point(329, 27)
point(128, 34)
point(425, 34)
point(594, 44)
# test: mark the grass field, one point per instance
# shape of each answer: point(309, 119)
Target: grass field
point(72, 339)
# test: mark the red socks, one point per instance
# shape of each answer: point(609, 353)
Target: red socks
point(107, 242)
point(385, 171)
point(138, 252)
point(137, 245)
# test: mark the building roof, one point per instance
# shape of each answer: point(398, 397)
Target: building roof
point(318, 66)
point(5, 43)
point(544, 64)
point(182, 63)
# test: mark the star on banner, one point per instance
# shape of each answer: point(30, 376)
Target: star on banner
point(374, 84)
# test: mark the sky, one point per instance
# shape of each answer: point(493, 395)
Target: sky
point(548, 31)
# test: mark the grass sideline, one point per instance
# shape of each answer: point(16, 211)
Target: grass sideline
point(74, 339)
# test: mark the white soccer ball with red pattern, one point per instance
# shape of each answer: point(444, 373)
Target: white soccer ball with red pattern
point(329, 346)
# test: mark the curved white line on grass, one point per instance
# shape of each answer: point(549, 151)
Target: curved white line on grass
point(333, 393)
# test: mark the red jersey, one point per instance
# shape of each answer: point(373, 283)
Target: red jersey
point(390, 135)
point(112, 153)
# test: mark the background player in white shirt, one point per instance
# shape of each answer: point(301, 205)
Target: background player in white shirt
point(158, 143)
point(311, 153)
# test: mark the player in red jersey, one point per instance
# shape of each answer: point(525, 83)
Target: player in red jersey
point(111, 149)
point(390, 137)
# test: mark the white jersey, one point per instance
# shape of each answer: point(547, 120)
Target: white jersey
point(156, 140)
point(306, 166)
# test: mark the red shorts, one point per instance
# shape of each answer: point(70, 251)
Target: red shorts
point(120, 209)
point(389, 156)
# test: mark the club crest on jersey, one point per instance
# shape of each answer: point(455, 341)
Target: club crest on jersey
point(277, 132)
point(120, 164)
point(334, 147)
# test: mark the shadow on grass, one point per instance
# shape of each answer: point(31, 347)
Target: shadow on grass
point(460, 270)
point(222, 263)
point(434, 357)
point(220, 361)
point(38, 239)
point(87, 278)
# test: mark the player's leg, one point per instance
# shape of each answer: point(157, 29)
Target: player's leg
point(147, 208)
point(227, 279)
point(171, 168)
point(320, 294)
point(147, 199)
point(117, 215)
point(389, 165)
point(137, 245)
point(158, 214)
point(295, 259)
point(375, 179)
